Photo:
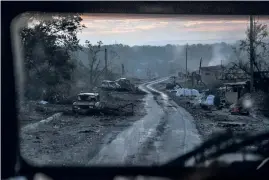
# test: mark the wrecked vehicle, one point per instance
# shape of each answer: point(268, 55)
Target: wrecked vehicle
point(110, 85)
point(87, 102)
point(125, 84)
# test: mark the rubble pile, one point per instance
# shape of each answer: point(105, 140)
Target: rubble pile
point(259, 102)
point(211, 120)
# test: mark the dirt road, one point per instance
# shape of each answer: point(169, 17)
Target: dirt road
point(157, 133)
point(166, 132)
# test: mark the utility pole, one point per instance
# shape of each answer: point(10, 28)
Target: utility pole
point(199, 76)
point(122, 70)
point(186, 63)
point(222, 69)
point(200, 66)
point(252, 58)
point(192, 79)
point(106, 73)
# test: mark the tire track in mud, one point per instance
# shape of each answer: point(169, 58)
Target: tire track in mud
point(149, 151)
point(159, 136)
point(156, 145)
point(127, 146)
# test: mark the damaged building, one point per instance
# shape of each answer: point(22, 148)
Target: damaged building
point(211, 74)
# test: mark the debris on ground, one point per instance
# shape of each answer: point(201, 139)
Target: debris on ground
point(257, 103)
point(238, 109)
point(32, 111)
point(211, 120)
point(170, 86)
point(43, 102)
point(110, 103)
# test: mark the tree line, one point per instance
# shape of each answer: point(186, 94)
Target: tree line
point(58, 65)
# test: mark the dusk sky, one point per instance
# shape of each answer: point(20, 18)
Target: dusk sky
point(161, 30)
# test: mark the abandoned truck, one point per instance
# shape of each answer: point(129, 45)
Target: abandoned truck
point(87, 102)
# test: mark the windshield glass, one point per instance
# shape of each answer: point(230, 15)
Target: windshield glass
point(180, 80)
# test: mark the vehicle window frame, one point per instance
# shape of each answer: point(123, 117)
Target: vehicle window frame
point(10, 133)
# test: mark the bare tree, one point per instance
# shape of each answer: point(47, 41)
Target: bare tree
point(260, 34)
point(113, 61)
point(95, 54)
point(93, 59)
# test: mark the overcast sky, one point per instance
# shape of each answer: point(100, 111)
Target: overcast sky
point(161, 30)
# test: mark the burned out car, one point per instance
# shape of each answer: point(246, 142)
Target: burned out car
point(125, 84)
point(87, 102)
point(110, 85)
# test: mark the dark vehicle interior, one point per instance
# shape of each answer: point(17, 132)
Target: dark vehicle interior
point(13, 165)
point(88, 98)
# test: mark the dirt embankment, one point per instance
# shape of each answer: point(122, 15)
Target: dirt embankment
point(32, 111)
point(209, 122)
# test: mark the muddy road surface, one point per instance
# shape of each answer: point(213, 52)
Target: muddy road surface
point(166, 132)
point(159, 131)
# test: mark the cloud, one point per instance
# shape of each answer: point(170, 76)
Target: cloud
point(195, 23)
point(168, 16)
point(217, 27)
point(112, 25)
point(109, 26)
point(132, 29)
point(112, 31)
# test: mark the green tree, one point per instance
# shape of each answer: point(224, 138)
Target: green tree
point(48, 42)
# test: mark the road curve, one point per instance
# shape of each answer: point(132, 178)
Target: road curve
point(166, 132)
